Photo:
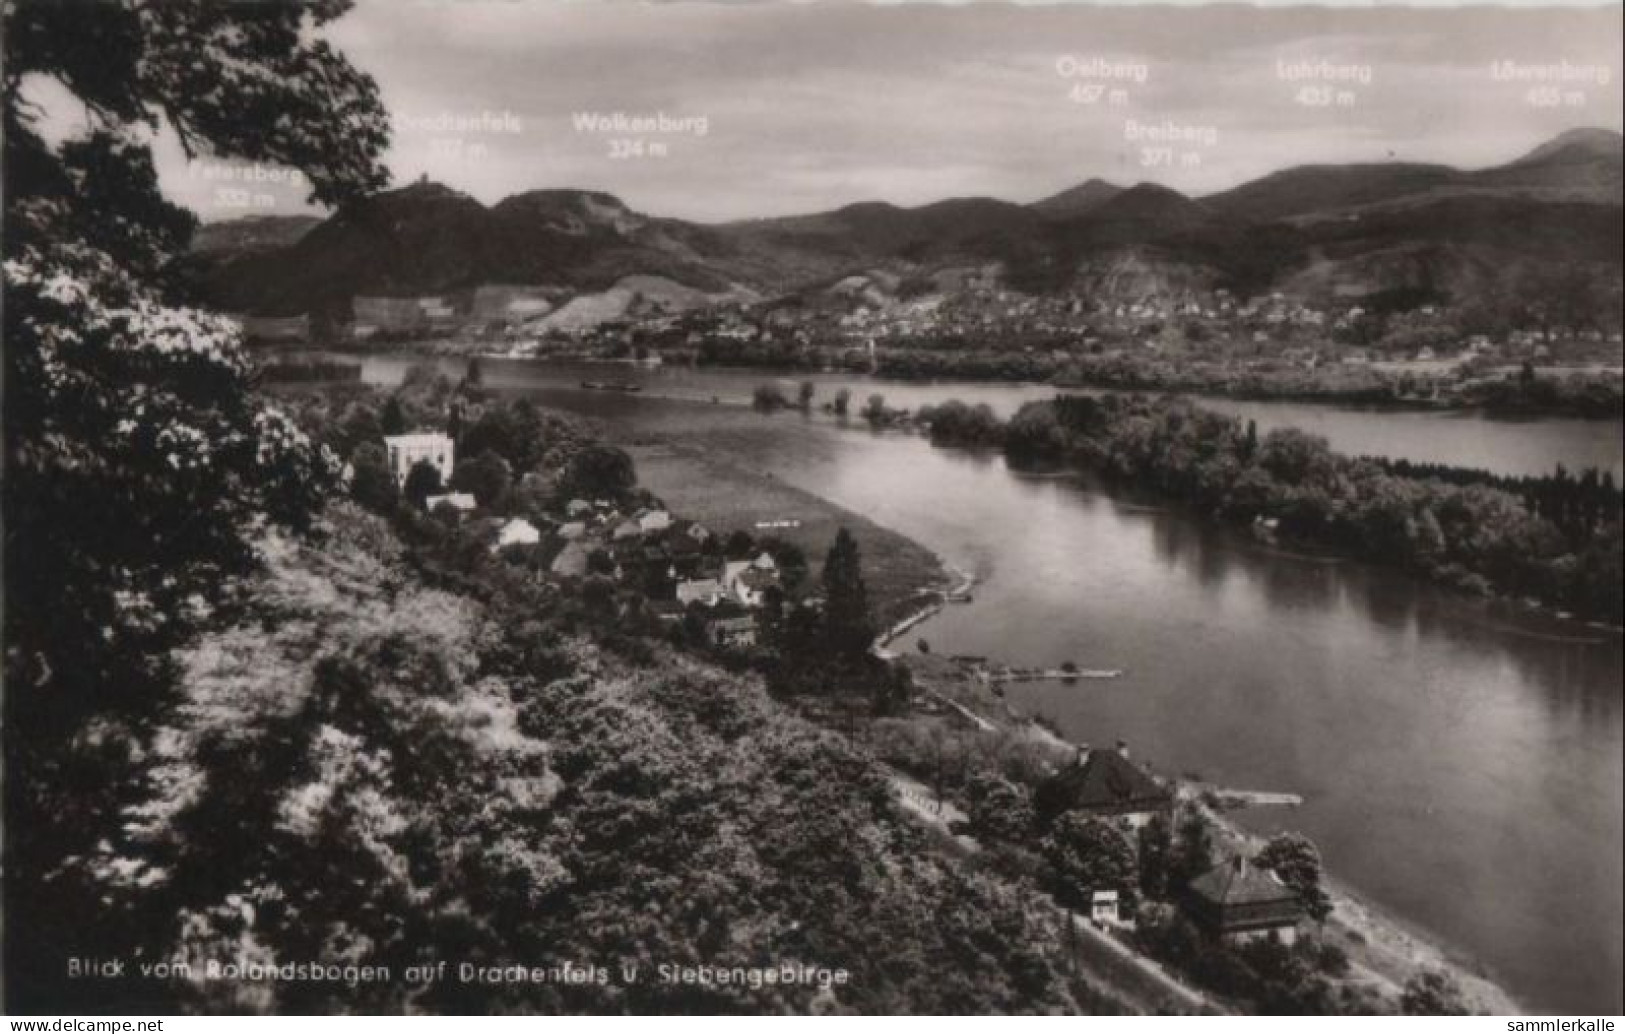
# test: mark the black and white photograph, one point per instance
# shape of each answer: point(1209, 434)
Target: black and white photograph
point(596, 507)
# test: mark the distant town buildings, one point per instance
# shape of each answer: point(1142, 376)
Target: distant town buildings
point(707, 591)
point(1103, 907)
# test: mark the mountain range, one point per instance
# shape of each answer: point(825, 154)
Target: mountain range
point(1314, 231)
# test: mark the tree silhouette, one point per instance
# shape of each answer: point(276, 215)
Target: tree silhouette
point(848, 624)
point(485, 476)
point(1088, 855)
point(422, 481)
point(392, 418)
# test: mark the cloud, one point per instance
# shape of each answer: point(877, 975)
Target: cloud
point(812, 106)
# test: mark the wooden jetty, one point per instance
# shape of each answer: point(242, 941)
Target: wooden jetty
point(1230, 799)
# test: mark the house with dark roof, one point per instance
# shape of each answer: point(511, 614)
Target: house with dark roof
point(1104, 784)
point(1239, 901)
point(749, 580)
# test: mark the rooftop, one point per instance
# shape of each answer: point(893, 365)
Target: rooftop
point(1105, 781)
point(420, 438)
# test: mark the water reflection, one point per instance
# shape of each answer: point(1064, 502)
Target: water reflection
point(1508, 446)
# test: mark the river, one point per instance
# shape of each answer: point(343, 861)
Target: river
point(1461, 766)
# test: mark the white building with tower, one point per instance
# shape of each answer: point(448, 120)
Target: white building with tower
point(408, 450)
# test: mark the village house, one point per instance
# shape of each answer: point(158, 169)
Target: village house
point(1238, 901)
point(708, 591)
point(748, 580)
point(510, 303)
point(571, 561)
point(394, 315)
point(462, 502)
point(408, 450)
point(1104, 784)
point(732, 632)
point(626, 529)
point(578, 508)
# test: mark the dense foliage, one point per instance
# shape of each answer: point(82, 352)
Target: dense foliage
point(139, 466)
point(1296, 860)
point(1139, 361)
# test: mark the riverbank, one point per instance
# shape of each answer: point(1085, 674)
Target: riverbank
point(910, 585)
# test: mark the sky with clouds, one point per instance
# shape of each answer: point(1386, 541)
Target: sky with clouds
point(809, 106)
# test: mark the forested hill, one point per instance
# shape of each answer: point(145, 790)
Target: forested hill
point(1312, 231)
